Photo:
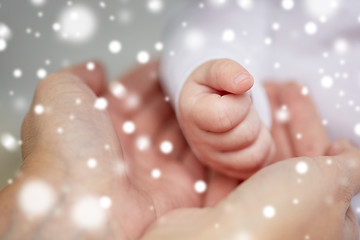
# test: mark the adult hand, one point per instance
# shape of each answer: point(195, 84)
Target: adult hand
point(80, 158)
point(59, 143)
point(299, 198)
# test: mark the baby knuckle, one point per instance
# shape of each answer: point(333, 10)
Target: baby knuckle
point(256, 164)
point(258, 156)
point(185, 110)
point(251, 130)
point(198, 111)
point(262, 153)
point(222, 67)
point(223, 120)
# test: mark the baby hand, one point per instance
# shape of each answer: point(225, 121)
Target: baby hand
point(220, 122)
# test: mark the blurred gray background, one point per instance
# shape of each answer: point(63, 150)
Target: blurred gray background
point(34, 45)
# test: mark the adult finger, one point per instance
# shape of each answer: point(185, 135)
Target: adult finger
point(305, 129)
point(132, 91)
point(278, 130)
point(92, 74)
point(170, 142)
point(147, 122)
point(68, 120)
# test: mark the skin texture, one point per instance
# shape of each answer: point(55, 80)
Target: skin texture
point(322, 212)
point(314, 205)
point(162, 208)
point(61, 159)
point(220, 122)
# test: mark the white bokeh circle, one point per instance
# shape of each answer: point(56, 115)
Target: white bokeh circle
point(76, 24)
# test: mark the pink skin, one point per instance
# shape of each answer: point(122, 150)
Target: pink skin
point(220, 122)
point(61, 162)
point(60, 159)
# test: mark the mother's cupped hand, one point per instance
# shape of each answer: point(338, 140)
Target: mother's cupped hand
point(307, 197)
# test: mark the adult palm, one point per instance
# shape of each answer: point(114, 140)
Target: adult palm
point(161, 167)
point(84, 152)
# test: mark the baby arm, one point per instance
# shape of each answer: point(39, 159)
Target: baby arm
point(219, 118)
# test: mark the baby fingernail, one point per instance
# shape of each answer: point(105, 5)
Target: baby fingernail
point(242, 78)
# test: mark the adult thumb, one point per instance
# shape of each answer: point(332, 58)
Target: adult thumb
point(68, 120)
